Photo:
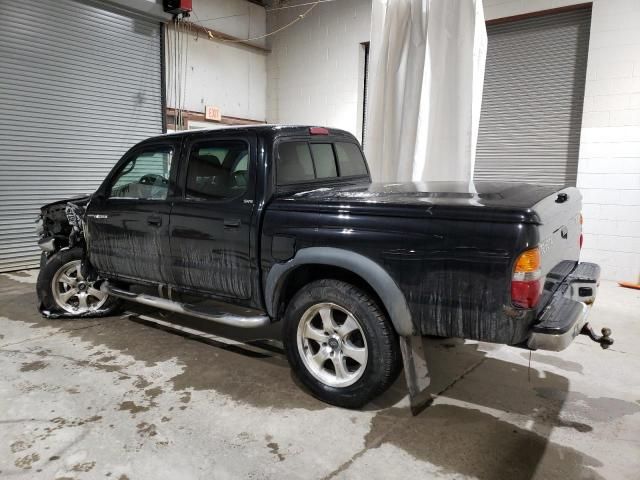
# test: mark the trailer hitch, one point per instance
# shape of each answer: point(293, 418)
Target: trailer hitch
point(604, 340)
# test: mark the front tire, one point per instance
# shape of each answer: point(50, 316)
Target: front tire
point(63, 291)
point(340, 343)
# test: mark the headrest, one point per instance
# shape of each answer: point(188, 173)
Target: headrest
point(210, 159)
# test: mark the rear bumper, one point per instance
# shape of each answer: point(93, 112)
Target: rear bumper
point(565, 315)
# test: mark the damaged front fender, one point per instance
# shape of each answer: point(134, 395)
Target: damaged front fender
point(60, 224)
point(98, 313)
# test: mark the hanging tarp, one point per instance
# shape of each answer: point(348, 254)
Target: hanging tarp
point(426, 76)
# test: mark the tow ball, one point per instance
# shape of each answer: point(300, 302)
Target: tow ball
point(604, 340)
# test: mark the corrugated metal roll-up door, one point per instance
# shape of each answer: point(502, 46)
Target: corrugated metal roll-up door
point(79, 85)
point(532, 100)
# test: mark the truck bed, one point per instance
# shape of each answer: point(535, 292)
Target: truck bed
point(449, 247)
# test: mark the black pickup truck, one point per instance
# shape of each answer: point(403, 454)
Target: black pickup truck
point(251, 225)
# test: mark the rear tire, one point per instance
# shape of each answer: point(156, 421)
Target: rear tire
point(340, 344)
point(63, 291)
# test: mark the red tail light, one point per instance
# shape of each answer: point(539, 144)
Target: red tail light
point(525, 294)
point(318, 131)
point(526, 284)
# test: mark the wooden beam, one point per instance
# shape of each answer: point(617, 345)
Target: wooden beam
point(215, 35)
point(189, 115)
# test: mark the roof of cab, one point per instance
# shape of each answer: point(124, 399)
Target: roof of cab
point(262, 128)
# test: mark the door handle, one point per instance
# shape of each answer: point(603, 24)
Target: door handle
point(231, 222)
point(155, 221)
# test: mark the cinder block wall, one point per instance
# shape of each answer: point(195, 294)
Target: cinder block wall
point(315, 67)
point(609, 166)
point(313, 77)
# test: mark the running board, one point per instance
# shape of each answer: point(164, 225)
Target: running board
point(225, 318)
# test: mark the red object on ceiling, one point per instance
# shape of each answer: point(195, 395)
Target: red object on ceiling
point(178, 6)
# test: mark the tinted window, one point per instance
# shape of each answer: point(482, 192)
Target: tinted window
point(294, 163)
point(145, 176)
point(350, 159)
point(324, 160)
point(218, 170)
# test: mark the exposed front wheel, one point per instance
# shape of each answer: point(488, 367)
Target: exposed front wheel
point(340, 343)
point(63, 290)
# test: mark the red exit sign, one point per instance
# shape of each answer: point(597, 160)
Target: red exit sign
point(212, 113)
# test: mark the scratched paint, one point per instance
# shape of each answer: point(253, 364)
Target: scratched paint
point(211, 269)
point(130, 254)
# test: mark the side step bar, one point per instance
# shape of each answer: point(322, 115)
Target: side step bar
point(231, 319)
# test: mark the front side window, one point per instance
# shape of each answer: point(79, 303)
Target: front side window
point(145, 176)
point(217, 170)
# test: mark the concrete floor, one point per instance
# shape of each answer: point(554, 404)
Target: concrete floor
point(120, 398)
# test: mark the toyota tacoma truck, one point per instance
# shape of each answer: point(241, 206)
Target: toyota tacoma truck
point(251, 225)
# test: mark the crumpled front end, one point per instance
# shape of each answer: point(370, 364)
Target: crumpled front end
point(54, 224)
point(60, 227)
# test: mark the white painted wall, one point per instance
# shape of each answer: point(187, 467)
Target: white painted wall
point(230, 76)
point(315, 67)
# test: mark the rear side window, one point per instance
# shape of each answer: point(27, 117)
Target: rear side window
point(350, 159)
point(217, 170)
point(305, 162)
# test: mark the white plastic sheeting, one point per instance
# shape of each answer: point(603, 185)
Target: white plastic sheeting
point(426, 74)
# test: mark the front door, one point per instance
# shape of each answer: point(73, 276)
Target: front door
point(211, 221)
point(128, 217)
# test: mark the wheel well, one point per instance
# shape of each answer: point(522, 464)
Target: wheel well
point(308, 273)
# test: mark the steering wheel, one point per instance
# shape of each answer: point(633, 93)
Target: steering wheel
point(152, 179)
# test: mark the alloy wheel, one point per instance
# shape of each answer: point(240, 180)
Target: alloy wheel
point(73, 293)
point(332, 344)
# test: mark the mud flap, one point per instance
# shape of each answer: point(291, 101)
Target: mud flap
point(416, 373)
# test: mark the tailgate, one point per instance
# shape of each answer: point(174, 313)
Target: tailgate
point(560, 231)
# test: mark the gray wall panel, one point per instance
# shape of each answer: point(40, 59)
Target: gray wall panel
point(531, 113)
point(79, 85)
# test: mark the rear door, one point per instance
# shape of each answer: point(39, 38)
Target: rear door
point(211, 219)
point(128, 218)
